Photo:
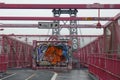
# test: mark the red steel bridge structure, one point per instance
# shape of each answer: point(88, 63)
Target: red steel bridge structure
point(101, 56)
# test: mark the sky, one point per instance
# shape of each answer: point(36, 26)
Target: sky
point(81, 13)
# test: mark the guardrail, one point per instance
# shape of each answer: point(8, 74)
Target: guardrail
point(104, 65)
point(3, 62)
point(19, 53)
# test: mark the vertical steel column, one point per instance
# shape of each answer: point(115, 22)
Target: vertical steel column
point(56, 13)
point(73, 31)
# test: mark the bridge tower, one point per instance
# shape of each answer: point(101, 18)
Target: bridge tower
point(72, 30)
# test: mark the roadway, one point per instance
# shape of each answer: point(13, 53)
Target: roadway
point(27, 74)
point(74, 75)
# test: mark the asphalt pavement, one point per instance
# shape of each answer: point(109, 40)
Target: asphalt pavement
point(28, 75)
point(74, 75)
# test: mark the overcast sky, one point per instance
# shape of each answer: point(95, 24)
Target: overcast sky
point(81, 13)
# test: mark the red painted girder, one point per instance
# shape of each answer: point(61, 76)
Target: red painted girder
point(59, 6)
point(36, 26)
point(53, 41)
point(24, 35)
point(59, 18)
point(115, 18)
point(18, 25)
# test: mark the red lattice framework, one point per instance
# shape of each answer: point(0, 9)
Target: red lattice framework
point(19, 53)
point(102, 56)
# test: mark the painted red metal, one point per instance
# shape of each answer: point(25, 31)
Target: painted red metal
point(19, 53)
point(19, 25)
point(37, 35)
point(115, 18)
point(36, 26)
point(3, 62)
point(59, 6)
point(100, 62)
point(61, 26)
point(102, 55)
point(51, 41)
point(105, 66)
point(94, 47)
point(59, 18)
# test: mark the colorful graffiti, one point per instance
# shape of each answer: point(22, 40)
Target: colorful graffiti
point(54, 54)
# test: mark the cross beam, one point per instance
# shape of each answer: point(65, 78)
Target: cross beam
point(59, 18)
point(23, 35)
point(36, 26)
point(59, 6)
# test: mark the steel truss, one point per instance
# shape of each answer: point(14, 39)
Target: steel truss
point(102, 55)
point(19, 53)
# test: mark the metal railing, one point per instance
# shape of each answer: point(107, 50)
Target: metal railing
point(102, 64)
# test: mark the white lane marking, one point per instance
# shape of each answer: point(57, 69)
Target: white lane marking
point(54, 76)
point(7, 76)
point(30, 76)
